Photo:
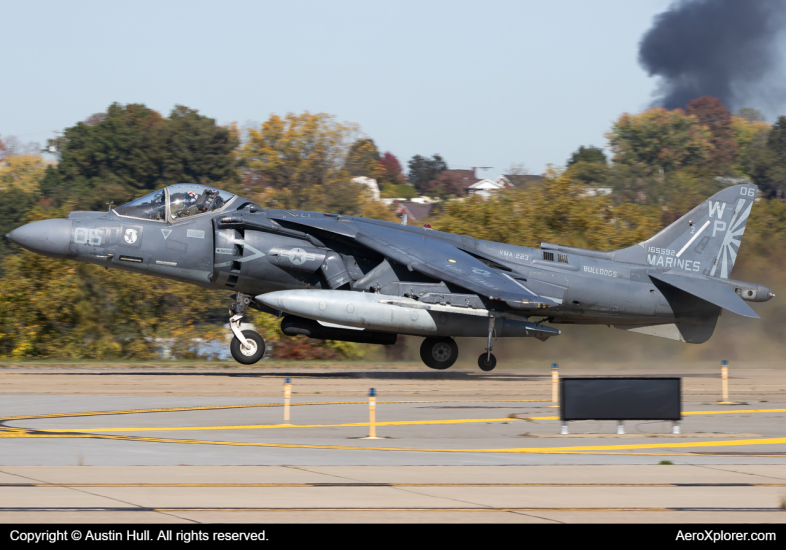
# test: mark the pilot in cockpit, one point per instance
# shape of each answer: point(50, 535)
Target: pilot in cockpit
point(195, 204)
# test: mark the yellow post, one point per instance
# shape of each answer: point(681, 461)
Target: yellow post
point(372, 417)
point(554, 385)
point(372, 410)
point(287, 396)
point(725, 381)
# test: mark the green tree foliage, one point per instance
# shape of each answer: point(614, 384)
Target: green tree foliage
point(423, 170)
point(588, 154)
point(660, 139)
point(764, 155)
point(751, 115)
point(590, 173)
point(14, 210)
point(131, 150)
point(776, 144)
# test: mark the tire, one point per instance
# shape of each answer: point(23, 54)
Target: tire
point(248, 357)
point(439, 353)
point(484, 366)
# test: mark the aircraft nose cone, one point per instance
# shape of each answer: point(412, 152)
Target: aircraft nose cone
point(46, 237)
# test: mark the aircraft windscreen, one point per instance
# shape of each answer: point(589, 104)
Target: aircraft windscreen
point(149, 207)
point(190, 199)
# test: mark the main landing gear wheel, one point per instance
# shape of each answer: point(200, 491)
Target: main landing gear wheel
point(250, 354)
point(487, 362)
point(439, 353)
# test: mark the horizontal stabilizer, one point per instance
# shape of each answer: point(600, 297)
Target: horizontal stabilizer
point(716, 293)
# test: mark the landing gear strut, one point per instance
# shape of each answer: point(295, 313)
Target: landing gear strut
point(487, 361)
point(247, 346)
point(439, 353)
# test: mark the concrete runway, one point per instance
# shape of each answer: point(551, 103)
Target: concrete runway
point(208, 444)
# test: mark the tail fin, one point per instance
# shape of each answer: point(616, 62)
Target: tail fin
point(704, 241)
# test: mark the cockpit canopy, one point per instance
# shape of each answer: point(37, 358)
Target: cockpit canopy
point(175, 202)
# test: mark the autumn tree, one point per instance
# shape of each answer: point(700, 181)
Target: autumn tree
point(711, 112)
point(444, 185)
point(423, 170)
point(556, 211)
point(363, 159)
point(299, 156)
point(20, 179)
point(391, 171)
point(22, 172)
point(660, 139)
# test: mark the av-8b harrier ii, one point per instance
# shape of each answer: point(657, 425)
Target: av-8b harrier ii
point(339, 277)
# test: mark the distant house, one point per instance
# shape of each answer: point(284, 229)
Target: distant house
point(595, 192)
point(416, 200)
point(414, 211)
point(486, 187)
point(466, 177)
point(521, 180)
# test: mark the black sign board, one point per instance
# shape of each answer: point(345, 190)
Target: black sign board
point(620, 398)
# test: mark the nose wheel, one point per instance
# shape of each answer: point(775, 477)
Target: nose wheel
point(250, 352)
point(439, 353)
point(487, 361)
point(247, 346)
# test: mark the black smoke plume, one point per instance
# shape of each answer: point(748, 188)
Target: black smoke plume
point(728, 49)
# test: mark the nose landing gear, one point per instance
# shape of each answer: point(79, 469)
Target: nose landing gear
point(487, 361)
point(247, 346)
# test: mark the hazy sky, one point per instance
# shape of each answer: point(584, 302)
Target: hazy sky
point(486, 83)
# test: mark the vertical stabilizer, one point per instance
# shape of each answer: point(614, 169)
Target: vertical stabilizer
point(704, 241)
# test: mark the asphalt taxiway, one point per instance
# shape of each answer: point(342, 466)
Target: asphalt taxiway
point(143, 444)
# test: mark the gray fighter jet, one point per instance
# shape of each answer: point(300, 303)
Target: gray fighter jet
point(346, 278)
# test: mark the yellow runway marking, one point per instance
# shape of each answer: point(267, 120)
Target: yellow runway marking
point(382, 484)
point(523, 450)
point(251, 406)
point(478, 509)
point(356, 424)
point(619, 449)
point(269, 426)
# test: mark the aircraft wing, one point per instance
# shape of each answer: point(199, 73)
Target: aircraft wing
point(436, 258)
point(708, 290)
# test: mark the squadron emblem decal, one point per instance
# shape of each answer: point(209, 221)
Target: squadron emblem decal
point(130, 236)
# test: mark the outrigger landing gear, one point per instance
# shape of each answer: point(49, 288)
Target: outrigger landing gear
point(247, 346)
point(487, 361)
point(439, 353)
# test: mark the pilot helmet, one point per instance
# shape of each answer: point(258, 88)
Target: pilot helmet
point(191, 197)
